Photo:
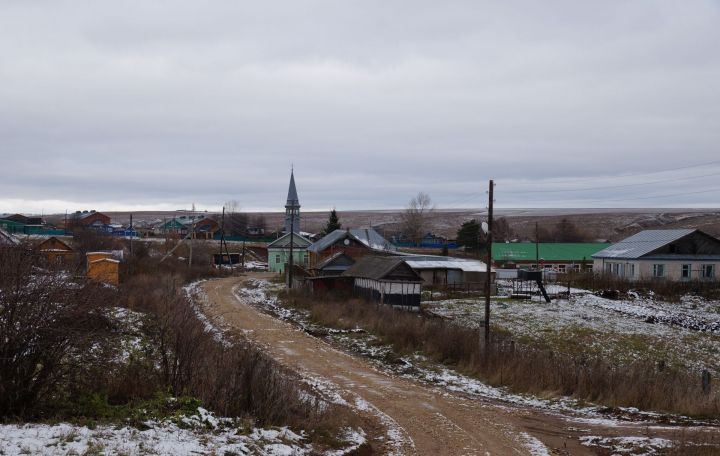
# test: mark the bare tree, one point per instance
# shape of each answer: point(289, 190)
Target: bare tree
point(235, 221)
point(416, 216)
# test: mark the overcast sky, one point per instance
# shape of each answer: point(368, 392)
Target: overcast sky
point(158, 104)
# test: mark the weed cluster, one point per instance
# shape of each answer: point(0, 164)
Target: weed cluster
point(521, 367)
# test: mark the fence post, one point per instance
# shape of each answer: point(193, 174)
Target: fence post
point(706, 385)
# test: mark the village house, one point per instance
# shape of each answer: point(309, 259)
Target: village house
point(355, 243)
point(387, 280)
point(21, 224)
point(279, 252)
point(206, 228)
point(560, 257)
point(89, 219)
point(677, 255)
point(56, 251)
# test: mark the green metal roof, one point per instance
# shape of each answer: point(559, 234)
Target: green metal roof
point(561, 251)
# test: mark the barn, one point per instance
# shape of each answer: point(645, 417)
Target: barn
point(386, 279)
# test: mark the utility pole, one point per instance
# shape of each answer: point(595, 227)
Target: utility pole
point(290, 263)
point(488, 274)
point(192, 234)
point(131, 243)
point(537, 247)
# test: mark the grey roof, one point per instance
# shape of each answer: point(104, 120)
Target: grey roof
point(297, 241)
point(642, 243)
point(376, 267)
point(292, 199)
point(367, 236)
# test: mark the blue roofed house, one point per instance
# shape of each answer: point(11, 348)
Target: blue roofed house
point(678, 255)
point(355, 243)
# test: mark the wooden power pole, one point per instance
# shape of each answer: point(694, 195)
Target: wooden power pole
point(488, 273)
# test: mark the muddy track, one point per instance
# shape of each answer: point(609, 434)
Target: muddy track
point(424, 420)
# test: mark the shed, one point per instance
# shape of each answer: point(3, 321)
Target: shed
point(442, 270)
point(386, 279)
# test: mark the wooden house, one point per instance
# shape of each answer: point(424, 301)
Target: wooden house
point(279, 252)
point(89, 219)
point(355, 243)
point(386, 279)
point(206, 228)
point(56, 251)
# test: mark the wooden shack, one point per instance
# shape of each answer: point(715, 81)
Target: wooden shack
point(102, 267)
point(386, 279)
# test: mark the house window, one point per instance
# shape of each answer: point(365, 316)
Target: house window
point(277, 258)
point(632, 270)
point(576, 267)
point(686, 271)
point(708, 271)
point(561, 267)
point(658, 270)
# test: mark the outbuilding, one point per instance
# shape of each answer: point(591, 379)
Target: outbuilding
point(386, 279)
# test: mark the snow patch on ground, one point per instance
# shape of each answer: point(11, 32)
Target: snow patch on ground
point(161, 439)
point(628, 445)
point(534, 446)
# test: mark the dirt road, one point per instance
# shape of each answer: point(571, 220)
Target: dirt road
point(423, 420)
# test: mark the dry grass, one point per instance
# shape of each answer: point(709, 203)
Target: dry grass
point(523, 368)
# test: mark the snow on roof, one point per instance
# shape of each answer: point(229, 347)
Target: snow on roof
point(367, 236)
point(642, 243)
point(465, 266)
point(104, 259)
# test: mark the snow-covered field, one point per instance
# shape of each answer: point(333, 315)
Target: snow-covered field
point(197, 434)
point(685, 334)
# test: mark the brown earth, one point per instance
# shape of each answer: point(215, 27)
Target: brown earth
point(428, 420)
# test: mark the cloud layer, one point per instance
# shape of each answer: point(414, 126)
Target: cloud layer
point(162, 104)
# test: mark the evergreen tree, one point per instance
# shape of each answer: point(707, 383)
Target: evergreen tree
point(470, 236)
point(332, 224)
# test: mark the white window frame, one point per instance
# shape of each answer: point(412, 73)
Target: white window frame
point(659, 270)
point(683, 268)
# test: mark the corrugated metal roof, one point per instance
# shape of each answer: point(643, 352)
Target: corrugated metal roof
point(375, 267)
point(560, 251)
point(642, 243)
point(463, 265)
point(367, 236)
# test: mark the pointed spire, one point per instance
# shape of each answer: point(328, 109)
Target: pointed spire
point(292, 198)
